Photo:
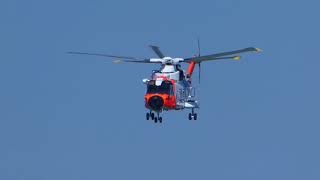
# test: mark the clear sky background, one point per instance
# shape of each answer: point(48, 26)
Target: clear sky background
point(81, 117)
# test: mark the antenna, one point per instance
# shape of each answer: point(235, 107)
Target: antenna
point(199, 51)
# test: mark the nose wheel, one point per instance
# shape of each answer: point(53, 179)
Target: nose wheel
point(151, 116)
point(158, 119)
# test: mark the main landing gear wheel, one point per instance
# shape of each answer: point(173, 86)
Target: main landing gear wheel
point(160, 119)
point(155, 120)
point(193, 115)
point(148, 116)
point(152, 116)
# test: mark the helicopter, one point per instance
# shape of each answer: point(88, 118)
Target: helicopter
point(170, 87)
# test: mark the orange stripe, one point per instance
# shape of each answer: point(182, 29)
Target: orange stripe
point(169, 101)
point(190, 69)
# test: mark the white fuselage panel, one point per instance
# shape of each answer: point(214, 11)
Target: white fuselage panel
point(168, 69)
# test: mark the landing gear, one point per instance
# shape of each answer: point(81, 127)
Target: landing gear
point(160, 119)
point(152, 116)
point(193, 115)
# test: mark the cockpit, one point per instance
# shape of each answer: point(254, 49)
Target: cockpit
point(165, 87)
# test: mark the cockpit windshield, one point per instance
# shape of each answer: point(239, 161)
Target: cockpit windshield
point(165, 87)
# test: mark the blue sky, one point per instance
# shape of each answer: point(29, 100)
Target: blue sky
point(78, 117)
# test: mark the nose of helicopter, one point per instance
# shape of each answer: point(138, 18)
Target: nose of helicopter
point(156, 103)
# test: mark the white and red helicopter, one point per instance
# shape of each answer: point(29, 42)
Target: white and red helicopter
point(170, 87)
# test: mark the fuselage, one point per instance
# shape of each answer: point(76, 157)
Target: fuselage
point(168, 89)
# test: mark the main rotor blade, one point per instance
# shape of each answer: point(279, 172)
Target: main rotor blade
point(218, 56)
point(156, 49)
point(118, 58)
